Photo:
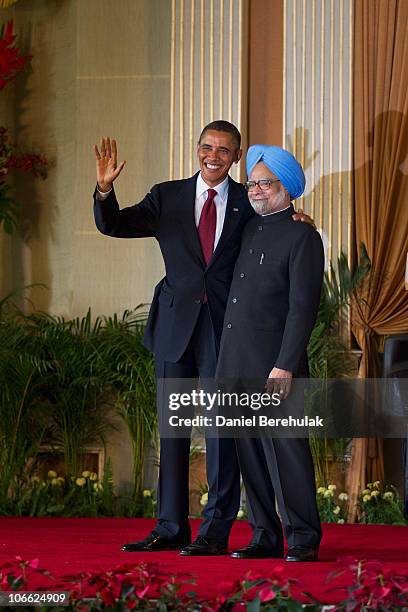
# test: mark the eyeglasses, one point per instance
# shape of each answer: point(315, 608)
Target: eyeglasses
point(264, 184)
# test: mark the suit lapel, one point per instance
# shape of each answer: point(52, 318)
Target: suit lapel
point(233, 214)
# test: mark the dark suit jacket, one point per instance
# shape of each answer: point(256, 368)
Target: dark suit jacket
point(274, 298)
point(167, 214)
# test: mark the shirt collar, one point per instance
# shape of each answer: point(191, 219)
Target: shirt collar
point(202, 187)
point(275, 212)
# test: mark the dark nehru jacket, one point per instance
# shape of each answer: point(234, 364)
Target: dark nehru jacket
point(167, 214)
point(274, 298)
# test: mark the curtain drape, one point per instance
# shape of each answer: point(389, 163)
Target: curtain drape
point(380, 117)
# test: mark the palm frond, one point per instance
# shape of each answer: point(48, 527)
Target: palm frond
point(329, 356)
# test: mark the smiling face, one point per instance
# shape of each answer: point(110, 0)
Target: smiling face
point(270, 200)
point(216, 153)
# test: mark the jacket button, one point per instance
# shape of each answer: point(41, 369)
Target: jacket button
point(242, 275)
point(234, 300)
point(229, 325)
point(197, 301)
point(260, 228)
point(251, 251)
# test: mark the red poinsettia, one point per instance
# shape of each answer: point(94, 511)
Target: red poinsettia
point(12, 60)
point(11, 157)
point(148, 586)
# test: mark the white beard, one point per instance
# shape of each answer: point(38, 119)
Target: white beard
point(264, 206)
point(260, 206)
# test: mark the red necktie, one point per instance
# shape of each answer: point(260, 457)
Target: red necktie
point(207, 225)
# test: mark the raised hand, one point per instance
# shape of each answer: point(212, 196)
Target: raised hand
point(107, 169)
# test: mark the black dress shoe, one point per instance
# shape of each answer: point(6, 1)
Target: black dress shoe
point(257, 551)
point(204, 546)
point(155, 542)
point(301, 553)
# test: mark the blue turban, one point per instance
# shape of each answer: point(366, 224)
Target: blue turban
point(282, 164)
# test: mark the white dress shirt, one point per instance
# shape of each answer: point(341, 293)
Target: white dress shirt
point(202, 188)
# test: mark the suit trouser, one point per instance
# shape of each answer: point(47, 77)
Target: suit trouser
point(282, 469)
point(199, 360)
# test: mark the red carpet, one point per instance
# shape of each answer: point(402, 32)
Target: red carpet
point(66, 546)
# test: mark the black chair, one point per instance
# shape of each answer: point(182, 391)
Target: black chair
point(395, 365)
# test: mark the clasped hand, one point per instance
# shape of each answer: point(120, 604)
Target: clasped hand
point(280, 382)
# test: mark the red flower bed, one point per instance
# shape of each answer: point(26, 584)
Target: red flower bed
point(149, 587)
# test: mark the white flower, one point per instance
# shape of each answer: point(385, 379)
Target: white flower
point(35, 479)
point(147, 493)
point(240, 514)
point(369, 485)
point(204, 499)
point(376, 484)
point(366, 498)
point(97, 486)
point(340, 521)
point(366, 492)
point(321, 490)
point(80, 482)
point(332, 487)
point(56, 481)
point(375, 493)
point(328, 493)
point(86, 474)
point(93, 476)
point(388, 495)
point(52, 474)
point(343, 496)
point(336, 510)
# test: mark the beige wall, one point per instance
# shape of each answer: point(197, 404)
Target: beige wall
point(96, 70)
point(43, 106)
point(103, 67)
point(122, 85)
point(317, 118)
point(208, 75)
point(31, 107)
point(99, 67)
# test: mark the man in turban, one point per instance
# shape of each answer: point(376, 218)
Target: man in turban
point(271, 311)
